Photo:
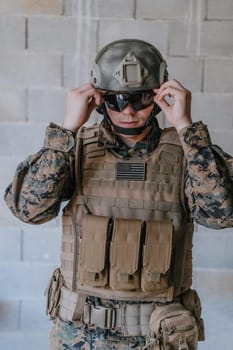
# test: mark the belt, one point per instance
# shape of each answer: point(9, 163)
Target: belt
point(129, 319)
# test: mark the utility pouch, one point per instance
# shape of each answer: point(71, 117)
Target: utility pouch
point(92, 267)
point(173, 327)
point(157, 253)
point(53, 294)
point(124, 254)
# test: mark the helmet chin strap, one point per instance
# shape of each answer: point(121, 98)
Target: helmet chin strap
point(129, 131)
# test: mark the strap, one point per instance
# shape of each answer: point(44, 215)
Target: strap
point(101, 316)
point(169, 135)
point(129, 319)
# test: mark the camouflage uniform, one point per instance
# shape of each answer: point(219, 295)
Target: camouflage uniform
point(47, 178)
point(65, 335)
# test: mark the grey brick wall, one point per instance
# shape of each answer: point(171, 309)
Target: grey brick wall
point(46, 47)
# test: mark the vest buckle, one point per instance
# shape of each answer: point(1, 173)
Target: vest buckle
point(101, 316)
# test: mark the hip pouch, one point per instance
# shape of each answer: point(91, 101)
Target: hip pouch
point(93, 251)
point(172, 327)
point(191, 301)
point(124, 254)
point(157, 252)
point(53, 294)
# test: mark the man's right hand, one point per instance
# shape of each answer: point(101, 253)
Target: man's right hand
point(80, 103)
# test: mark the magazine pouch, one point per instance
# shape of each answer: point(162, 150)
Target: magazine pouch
point(93, 249)
point(124, 254)
point(157, 253)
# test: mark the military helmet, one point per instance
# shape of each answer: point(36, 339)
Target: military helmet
point(129, 65)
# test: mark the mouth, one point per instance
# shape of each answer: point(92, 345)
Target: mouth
point(131, 123)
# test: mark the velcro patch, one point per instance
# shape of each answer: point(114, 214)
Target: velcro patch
point(131, 171)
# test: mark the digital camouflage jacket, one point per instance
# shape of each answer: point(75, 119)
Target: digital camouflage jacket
point(45, 179)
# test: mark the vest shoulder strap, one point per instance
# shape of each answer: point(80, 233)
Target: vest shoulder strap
point(87, 133)
point(170, 135)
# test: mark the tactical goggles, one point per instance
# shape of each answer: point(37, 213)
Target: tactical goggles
point(138, 100)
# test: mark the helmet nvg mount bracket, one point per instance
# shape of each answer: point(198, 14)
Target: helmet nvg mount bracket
point(129, 65)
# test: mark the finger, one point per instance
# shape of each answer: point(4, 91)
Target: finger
point(102, 92)
point(92, 105)
point(99, 99)
point(169, 91)
point(172, 83)
point(162, 103)
point(89, 93)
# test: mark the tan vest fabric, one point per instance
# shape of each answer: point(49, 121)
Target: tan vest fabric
point(125, 232)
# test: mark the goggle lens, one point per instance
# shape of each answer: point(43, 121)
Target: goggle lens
point(138, 101)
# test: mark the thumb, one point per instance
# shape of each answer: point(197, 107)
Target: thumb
point(163, 104)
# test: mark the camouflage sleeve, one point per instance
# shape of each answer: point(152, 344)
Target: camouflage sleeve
point(209, 178)
point(44, 179)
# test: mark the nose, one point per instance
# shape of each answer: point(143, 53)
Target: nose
point(129, 109)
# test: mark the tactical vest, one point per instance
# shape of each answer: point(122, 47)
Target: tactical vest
point(126, 235)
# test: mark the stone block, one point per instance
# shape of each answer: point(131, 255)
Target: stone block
point(215, 110)
point(24, 70)
point(9, 311)
point(170, 9)
point(56, 34)
point(33, 316)
point(223, 138)
point(217, 314)
point(12, 33)
point(23, 281)
point(187, 70)
point(218, 244)
point(183, 38)
point(10, 248)
point(21, 139)
point(41, 244)
point(213, 282)
point(152, 31)
point(103, 8)
point(219, 10)
point(46, 105)
point(216, 38)
point(218, 75)
point(12, 105)
point(69, 71)
point(29, 7)
point(77, 67)
point(24, 341)
point(70, 7)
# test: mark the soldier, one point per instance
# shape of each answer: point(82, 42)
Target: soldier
point(133, 192)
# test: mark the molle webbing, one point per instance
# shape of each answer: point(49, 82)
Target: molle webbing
point(107, 193)
point(154, 195)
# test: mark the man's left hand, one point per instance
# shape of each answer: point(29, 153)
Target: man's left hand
point(179, 112)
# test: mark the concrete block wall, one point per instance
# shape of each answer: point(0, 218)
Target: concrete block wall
point(46, 48)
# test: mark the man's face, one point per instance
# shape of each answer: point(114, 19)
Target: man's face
point(130, 110)
point(129, 118)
